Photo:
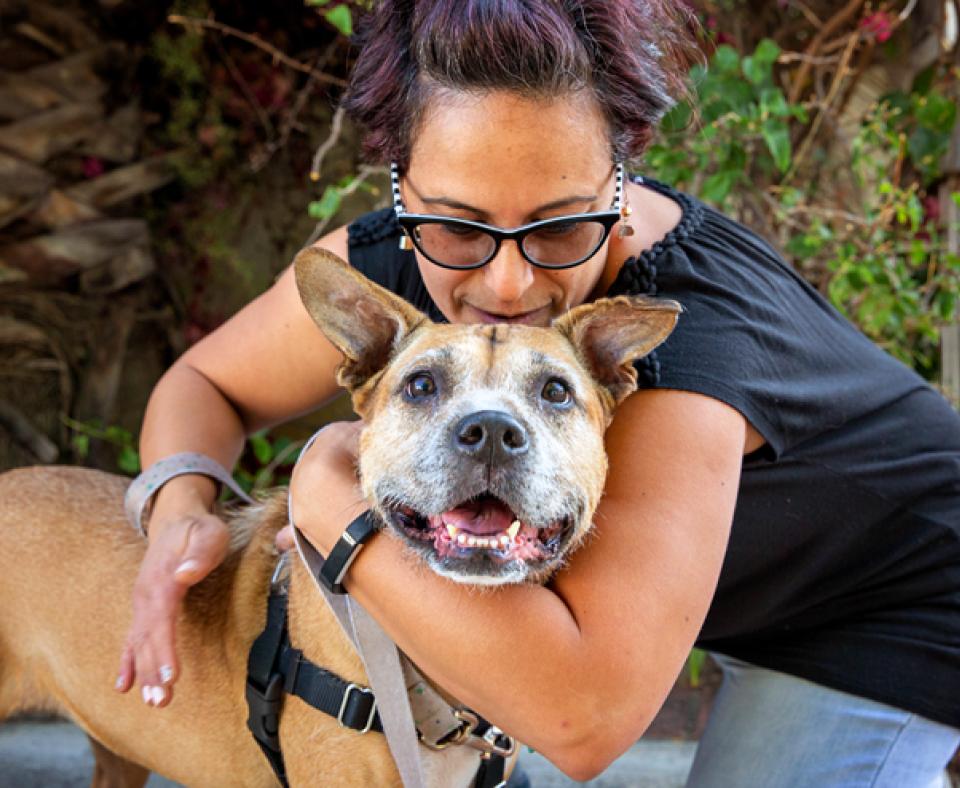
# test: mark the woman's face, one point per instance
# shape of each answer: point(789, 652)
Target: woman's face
point(506, 160)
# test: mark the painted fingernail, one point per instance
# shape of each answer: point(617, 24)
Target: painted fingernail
point(147, 695)
point(157, 694)
point(187, 566)
point(166, 674)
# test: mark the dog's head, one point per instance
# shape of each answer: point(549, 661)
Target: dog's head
point(483, 446)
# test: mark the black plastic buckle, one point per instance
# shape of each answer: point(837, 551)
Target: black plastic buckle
point(364, 696)
point(264, 705)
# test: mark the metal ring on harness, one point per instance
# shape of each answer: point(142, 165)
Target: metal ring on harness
point(346, 697)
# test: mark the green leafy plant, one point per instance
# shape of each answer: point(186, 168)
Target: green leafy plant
point(867, 242)
point(340, 15)
point(744, 122)
point(266, 461)
point(127, 456)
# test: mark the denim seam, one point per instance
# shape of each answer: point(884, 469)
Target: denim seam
point(910, 718)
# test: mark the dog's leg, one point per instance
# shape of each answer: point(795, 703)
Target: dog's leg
point(112, 771)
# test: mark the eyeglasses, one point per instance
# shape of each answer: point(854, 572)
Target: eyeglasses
point(461, 244)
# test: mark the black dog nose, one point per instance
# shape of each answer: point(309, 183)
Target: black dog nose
point(490, 435)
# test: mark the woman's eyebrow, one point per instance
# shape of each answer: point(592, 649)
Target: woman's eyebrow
point(550, 206)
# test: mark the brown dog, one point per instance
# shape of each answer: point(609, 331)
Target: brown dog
point(483, 452)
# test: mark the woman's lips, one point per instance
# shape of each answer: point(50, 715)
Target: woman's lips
point(539, 316)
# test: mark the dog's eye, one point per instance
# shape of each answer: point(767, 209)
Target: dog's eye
point(420, 385)
point(556, 392)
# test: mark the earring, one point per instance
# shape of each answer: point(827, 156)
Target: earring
point(625, 230)
point(405, 243)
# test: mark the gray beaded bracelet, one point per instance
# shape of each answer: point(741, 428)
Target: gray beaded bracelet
point(148, 483)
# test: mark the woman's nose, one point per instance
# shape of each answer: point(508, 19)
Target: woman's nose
point(508, 275)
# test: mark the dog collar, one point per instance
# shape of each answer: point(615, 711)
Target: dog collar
point(345, 552)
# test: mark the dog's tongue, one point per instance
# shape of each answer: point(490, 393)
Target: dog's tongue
point(481, 517)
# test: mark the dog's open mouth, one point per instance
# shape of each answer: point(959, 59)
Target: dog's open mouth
point(486, 526)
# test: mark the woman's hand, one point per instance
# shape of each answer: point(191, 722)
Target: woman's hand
point(324, 488)
point(183, 550)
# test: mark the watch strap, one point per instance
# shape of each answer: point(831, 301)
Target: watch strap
point(345, 551)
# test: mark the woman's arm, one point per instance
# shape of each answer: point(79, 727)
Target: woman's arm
point(578, 669)
point(265, 365)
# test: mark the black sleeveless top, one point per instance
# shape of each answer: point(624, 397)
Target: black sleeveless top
point(844, 560)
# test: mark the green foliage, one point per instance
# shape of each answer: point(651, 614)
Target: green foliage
point(894, 279)
point(745, 126)
point(340, 15)
point(327, 205)
point(925, 120)
point(694, 667)
point(196, 129)
point(266, 461)
point(324, 209)
point(877, 257)
point(127, 456)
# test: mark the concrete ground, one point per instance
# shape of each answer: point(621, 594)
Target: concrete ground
point(56, 755)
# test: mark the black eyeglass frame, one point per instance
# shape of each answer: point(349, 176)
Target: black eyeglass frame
point(410, 221)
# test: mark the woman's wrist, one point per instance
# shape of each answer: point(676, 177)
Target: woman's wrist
point(325, 495)
point(190, 495)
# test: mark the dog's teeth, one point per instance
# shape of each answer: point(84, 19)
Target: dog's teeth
point(504, 540)
point(514, 529)
point(452, 530)
point(461, 539)
point(472, 541)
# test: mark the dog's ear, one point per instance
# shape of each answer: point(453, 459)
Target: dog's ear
point(364, 321)
point(611, 333)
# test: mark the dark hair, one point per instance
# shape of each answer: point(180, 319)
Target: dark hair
point(631, 55)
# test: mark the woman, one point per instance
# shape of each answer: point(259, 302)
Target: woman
point(836, 615)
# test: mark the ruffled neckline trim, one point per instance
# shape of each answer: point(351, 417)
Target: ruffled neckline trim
point(638, 274)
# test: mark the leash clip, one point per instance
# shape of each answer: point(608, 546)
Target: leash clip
point(468, 724)
point(493, 742)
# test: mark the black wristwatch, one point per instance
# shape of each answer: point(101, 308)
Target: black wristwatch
point(345, 551)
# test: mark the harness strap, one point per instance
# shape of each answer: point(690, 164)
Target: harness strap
point(265, 684)
point(275, 668)
point(490, 773)
point(352, 705)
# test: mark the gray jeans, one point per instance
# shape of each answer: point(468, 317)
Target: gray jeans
point(771, 730)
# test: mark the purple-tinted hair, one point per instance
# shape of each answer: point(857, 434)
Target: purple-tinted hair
point(632, 55)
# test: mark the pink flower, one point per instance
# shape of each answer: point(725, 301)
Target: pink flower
point(879, 23)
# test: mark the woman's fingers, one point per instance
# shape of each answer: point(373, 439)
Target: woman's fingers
point(182, 554)
point(126, 673)
point(284, 539)
point(152, 636)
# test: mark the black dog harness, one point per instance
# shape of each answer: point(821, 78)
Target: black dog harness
point(274, 667)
